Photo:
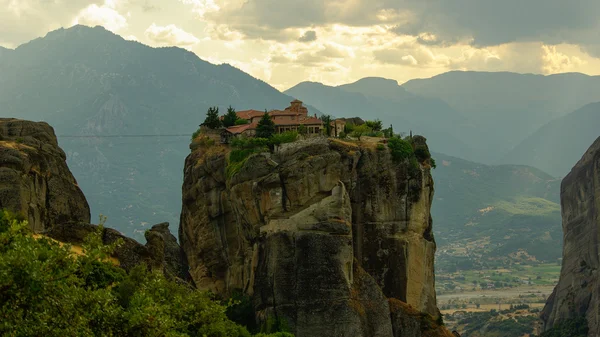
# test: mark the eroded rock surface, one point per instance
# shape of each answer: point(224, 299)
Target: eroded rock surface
point(35, 180)
point(320, 233)
point(161, 251)
point(578, 289)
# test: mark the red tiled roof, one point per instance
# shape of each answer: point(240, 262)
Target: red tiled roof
point(237, 129)
point(249, 114)
point(307, 121)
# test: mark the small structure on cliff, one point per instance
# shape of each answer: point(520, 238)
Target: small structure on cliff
point(289, 119)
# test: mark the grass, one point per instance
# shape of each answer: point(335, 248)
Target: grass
point(528, 206)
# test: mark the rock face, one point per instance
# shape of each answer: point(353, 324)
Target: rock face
point(320, 234)
point(34, 178)
point(578, 289)
point(160, 252)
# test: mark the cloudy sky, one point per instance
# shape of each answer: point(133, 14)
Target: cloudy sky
point(284, 42)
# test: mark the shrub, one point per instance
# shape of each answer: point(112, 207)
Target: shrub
point(380, 147)
point(282, 138)
point(433, 164)
point(49, 291)
point(241, 121)
point(195, 134)
point(342, 135)
point(302, 129)
point(422, 153)
point(360, 131)
point(400, 149)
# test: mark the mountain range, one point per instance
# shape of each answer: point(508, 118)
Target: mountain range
point(143, 102)
point(473, 115)
point(124, 113)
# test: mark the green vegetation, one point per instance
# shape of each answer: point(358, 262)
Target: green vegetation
point(327, 124)
point(241, 121)
point(389, 132)
point(47, 290)
point(282, 138)
point(212, 120)
point(359, 131)
point(575, 327)
point(265, 127)
point(230, 118)
point(400, 149)
point(195, 134)
point(342, 135)
point(375, 125)
point(302, 129)
point(380, 147)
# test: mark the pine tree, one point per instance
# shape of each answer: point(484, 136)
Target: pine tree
point(265, 127)
point(327, 124)
point(212, 118)
point(230, 117)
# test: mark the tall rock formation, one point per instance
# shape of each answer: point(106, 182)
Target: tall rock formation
point(34, 178)
point(578, 290)
point(328, 237)
point(36, 183)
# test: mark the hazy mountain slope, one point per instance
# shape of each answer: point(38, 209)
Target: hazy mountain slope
point(87, 81)
point(384, 99)
point(505, 108)
point(515, 206)
point(561, 142)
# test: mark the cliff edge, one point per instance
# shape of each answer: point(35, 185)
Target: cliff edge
point(578, 291)
point(35, 180)
point(328, 237)
point(36, 183)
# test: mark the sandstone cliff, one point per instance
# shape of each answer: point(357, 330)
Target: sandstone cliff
point(34, 178)
point(322, 234)
point(578, 289)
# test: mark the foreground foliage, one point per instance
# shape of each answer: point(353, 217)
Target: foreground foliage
point(575, 327)
point(47, 290)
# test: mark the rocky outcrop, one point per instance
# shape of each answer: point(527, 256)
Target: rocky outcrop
point(161, 251)
point(578, 290)
point(320, 234)
point(36, 183)
point(34, 178)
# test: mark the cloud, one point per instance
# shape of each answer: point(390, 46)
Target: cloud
point(105, 15)
point(308, 36)
point(170, 35)
point(481, 23)
point(23, 20)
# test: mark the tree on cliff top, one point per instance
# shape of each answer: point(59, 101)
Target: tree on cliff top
point(360, 130)
point(212, 118)
point(230, 117)
point(265, 127)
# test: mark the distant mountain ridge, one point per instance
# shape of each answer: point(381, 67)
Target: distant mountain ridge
point(88, 81)
point(559, 143)
point(474, 115)
point(514, 206)
point(379, 98)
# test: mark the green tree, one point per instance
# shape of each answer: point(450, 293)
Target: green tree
point(360, 130)
point(241, 121)
point(389, 132)
point(400, 149)
point(265, 127)
point(230, 117)
point(375, 125)
point(212, 118)
point(47, 290)
point(302, 130)
point(327, 124)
